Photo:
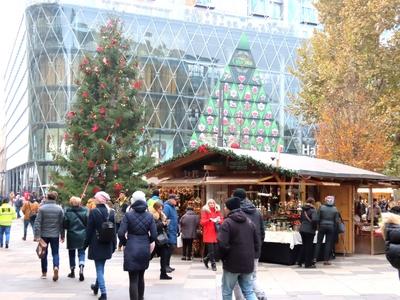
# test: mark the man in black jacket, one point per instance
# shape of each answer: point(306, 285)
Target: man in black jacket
point(238, 244)
point(254, 216)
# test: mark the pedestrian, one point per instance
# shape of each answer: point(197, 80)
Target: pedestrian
point(172, 230)
point(120, 205)
point(7, 214)
point(19, 201)
point(75, 222)
point(49, 227)
point(30, 209)
point(211, 219)
point(162, 250)
point(137, 231)
point(328, 217)
point(308, 226)
point(155, 197)
point(254, 216)
point(391, 232)
point(100, 249)
point(238, 243)
point(188, 223)
point(375, 212)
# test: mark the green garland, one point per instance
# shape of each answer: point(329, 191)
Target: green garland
point(228, 153)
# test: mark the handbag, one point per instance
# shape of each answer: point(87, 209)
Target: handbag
point(162, 239)
point(41, 249)
point(341, 227)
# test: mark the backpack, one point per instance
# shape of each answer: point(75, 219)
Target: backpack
point(106, 233)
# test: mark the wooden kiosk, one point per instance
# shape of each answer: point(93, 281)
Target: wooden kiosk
point(277, 180)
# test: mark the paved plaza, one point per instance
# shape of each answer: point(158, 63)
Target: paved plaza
point(356, 277)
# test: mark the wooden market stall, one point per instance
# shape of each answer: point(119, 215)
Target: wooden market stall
point(278, 185)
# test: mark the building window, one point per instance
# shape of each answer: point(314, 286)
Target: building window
point(266, 8)
point(309, 14)
point(205, 3)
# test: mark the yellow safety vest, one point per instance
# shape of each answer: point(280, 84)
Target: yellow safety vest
point(7, 214)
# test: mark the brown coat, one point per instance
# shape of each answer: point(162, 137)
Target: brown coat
point(29, 209)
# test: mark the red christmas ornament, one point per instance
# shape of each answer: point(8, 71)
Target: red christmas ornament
point(71, 115)
point(117, 187)
point(95, 190)
point(113, 41)
point(235, 145)
point(85, 61)
point(103, 85)
point(102, 110)
point(95, 127)
point(85, 94)
point(106, 61)
point(202, 149)
point(100, 49)
point(91, 164)
point(137, 85)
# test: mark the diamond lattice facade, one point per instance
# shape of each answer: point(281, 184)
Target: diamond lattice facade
point(183, 47)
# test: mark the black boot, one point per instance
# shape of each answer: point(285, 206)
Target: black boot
point(95, 288)
point(72, 274)
point(213, 266)
point(103, 297)
point(205, 261)
point(164, 276)
point(81, 277)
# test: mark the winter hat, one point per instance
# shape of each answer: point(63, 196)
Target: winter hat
point(138, 196)
point(102, 197)
point(330, 200)
point(240, 193)
point(233, 203)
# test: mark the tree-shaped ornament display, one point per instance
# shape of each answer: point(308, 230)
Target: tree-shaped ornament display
point(247, 118)
point(104, 126)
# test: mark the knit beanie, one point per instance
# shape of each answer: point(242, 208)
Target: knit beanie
point(102, 197)
point(138, 196)
point(233, 203)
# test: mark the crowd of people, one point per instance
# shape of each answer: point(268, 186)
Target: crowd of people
point(144, 229)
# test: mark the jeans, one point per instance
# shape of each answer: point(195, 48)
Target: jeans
point(169, 254)
point(245, 282)
point(5, 230)
point(306, 250)
point(26, 224)
point(211, 248)
point(256, 286)
point(54, 244)
point(136, 285)
point(326, 231)
point(18, 211)
point(187, 247)
point(100, 275)
point(81, 257)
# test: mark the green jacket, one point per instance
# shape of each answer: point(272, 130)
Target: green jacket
point(75, 222)
point(7, 214)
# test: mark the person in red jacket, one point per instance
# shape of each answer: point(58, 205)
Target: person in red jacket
point(211, 219)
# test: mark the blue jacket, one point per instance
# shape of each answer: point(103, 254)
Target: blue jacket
point(141, 230)
point(172, 215)
point(97, 250)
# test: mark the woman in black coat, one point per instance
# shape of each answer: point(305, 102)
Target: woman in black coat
point(391, 231)
point(75, 222)
point(140, 229)
point(307, 231)
point(100, 251)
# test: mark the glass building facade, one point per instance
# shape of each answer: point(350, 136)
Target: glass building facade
point(182, 47)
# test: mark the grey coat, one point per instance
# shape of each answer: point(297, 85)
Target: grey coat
point(307, 226)
point(328, 215)
point(189, 222)
point(49, 221)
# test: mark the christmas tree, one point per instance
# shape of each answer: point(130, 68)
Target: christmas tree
point(247, 117)
point(104, 125)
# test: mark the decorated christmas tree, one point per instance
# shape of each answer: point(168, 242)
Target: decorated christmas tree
point(104, 125)
point(247, 117)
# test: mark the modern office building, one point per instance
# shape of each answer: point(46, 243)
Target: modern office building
point(183, 47)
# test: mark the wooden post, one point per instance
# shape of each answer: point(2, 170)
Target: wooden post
point(371, 215)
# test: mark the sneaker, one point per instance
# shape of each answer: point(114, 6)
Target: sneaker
point(44, 276)
point(55, 275)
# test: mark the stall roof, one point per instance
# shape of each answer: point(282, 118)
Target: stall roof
point(297, 164)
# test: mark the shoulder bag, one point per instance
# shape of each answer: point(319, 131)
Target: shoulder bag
point(41, 249)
